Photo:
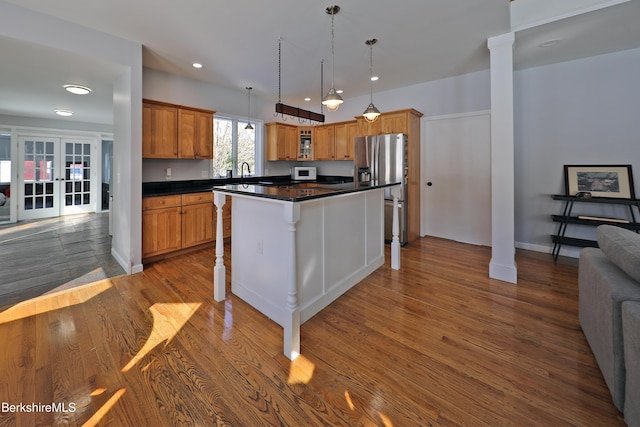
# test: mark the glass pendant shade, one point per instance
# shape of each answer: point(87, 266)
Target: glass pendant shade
point(248, 126)
point(332, 100)
point(371, 113)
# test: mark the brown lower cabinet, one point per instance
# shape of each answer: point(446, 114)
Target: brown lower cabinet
point(177, 222)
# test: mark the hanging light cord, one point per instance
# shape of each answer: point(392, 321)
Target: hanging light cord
point(321, 85)
point(371, 70)
point(332, 55)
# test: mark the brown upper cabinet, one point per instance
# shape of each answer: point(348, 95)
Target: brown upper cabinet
point(345, 134)
point(324, 142)
point(176, 132)
point(195, 134)
point(282, 141)
point(334, 141)
point(391, 122)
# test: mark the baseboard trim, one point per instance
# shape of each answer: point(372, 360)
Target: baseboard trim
point(568, 251)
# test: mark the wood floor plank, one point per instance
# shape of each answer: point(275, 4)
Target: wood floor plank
point(435, 344)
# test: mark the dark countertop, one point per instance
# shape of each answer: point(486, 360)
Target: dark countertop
point(299, 192)
point(168, 188)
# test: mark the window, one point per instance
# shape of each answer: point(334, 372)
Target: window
point(233, 145)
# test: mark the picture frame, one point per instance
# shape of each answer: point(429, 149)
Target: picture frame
point(609, 181)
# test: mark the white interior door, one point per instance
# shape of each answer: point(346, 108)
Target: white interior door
point(456, 178)
point(38, 171)
point(56, 177)
point(78, 183)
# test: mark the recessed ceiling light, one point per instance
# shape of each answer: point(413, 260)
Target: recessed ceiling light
point(549, 43)
point(77, 90)
point(374, 78)
point(197, 65)
point(307, 99)
point(64, 113)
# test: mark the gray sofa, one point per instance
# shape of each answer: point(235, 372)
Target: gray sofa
point(609, 301)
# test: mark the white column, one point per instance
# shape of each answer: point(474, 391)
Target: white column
point(292, 322)
point(395, 230)
point(502, 265)
point(219, 270)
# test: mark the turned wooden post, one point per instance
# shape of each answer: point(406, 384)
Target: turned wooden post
point(219, 270)
point(292, 322)
point(395, 230)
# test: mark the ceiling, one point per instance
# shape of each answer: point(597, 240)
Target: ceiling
point(237, 42)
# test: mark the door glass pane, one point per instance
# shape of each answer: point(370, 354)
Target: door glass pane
point(77, 170)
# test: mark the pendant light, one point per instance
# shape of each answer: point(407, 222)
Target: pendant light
point(248, 126)
point(332, 100)
point(371, 113)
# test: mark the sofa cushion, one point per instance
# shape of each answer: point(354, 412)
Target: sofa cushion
point(631, 337)
point(622, 247)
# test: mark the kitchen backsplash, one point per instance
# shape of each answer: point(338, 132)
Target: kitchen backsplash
point(155, 170)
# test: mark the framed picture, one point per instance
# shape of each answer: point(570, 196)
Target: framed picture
point(615, 181)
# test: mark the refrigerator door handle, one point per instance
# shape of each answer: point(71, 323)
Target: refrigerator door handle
point(376, 158)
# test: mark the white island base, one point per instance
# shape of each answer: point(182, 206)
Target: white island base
point(292, 259)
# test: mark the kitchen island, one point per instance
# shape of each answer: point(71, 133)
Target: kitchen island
point(297, 248)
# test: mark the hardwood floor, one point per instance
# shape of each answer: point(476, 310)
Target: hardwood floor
point(41, 256)
point(437, 343)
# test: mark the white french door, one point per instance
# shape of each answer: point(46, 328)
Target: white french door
point(56, 176)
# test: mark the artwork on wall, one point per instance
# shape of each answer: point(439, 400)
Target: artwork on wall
point(614, 181)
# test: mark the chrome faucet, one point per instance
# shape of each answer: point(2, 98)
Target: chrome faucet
point(242, 170)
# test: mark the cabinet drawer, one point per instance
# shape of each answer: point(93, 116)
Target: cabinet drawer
point(192, 199)
point(160, 202)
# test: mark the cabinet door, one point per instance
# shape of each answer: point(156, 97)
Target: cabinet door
point(159, 132)
point(195, 130)
point(161, 231)
point(394, 122)
point(345, 134)
point(291, 145)
point(198, 225)
point(282, 141)
point(324, 142)
point(366, 129)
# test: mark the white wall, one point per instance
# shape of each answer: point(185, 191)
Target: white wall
point(578, 112)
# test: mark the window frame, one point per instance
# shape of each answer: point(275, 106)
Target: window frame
point(258, 126)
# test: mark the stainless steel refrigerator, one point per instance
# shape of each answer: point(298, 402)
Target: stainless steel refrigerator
point(383, 158)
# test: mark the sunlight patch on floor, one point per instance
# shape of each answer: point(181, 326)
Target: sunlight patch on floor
point(301, 371)
point(168, 319)
point(100, 413)
point(55, 301)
